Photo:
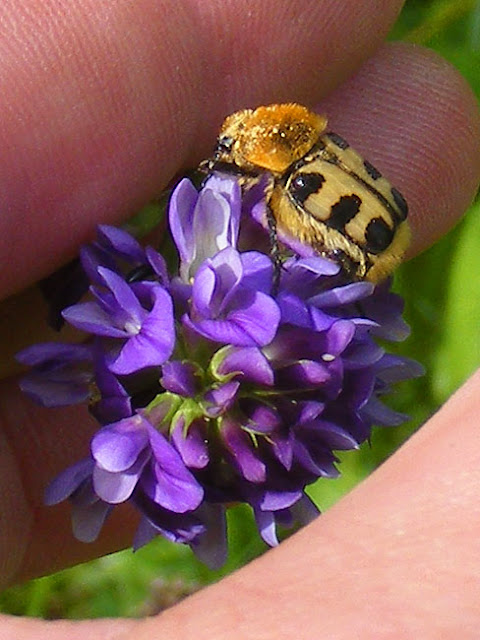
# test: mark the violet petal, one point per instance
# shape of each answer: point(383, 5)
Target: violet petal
point(87, 521)
point(250, 363)
point(153, 345)
point(68, 481)
point(240, 446)
point(116, 447)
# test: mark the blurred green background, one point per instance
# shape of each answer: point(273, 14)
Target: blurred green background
point(443, 309)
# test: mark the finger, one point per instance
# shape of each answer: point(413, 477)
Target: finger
point(103, 102)
point(14, 627)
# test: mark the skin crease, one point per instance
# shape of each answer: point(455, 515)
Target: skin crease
point(122, 102)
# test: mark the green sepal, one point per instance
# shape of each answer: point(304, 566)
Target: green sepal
point(163, 408)
point(215, 362)
point(188, 411)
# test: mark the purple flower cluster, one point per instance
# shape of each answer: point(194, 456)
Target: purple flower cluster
point(212, 386)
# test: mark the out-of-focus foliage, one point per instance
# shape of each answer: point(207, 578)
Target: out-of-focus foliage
point(443, 309)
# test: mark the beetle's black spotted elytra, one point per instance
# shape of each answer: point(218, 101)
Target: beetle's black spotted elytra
point(320, 190)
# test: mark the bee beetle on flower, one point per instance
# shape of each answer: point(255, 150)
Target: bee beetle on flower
point(319, 190)
point(215, 378)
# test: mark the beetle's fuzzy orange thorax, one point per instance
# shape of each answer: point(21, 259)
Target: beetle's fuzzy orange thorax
point(272, 137)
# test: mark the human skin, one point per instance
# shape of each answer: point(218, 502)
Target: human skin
point(102, 104)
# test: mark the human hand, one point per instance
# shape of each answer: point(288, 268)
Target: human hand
point(124, 123)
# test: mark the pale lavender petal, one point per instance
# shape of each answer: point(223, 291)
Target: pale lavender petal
point(231, 191)
point(180, 218)
point(229, 269)
point(212, 225)
point(275, 500)
point(88, 520)
point(118, 487)
point(116, 447)
point(266, 526)
point(317, 265)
